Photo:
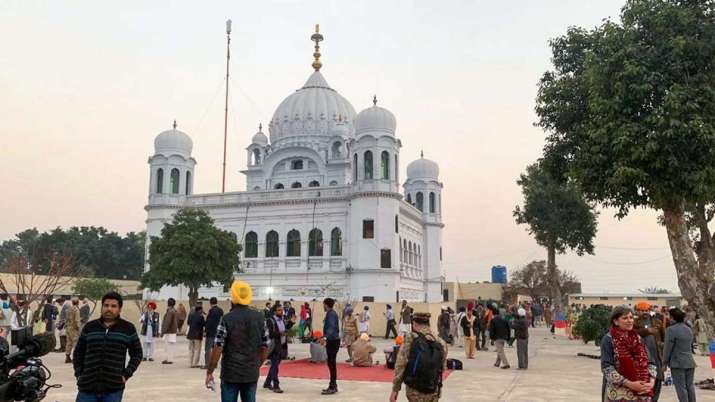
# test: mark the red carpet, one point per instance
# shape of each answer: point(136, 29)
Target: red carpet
point(346, 372)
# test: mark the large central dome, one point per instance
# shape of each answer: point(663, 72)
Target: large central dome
point(313, 110)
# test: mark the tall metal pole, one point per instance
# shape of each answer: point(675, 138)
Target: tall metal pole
point(225, 112)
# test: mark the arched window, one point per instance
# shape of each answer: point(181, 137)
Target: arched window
point(336, 150)
point(385, 165)
point(333, 183)
point(409, 199)
point(296, 185)
point(296, 164)
point(409, 253)
point(367, 160)
point(336, 242)
point(272, 244)
point(175, 181)
point(257, 188)
point(314, 183)
point(293, 244)
point(397, 166)
point(251, 245)
point(420, 201)
point(432, 202)
point(402, 251)
point(278, 186)
point(355, 168)
point(188, 182)
point(256, 156)
point(419, 256)
point(160, 180)
point(404, 248)
point(315, 243)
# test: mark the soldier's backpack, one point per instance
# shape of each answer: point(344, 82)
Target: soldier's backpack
point(424, 365)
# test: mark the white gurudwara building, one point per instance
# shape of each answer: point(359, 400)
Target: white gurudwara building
point(323, 213)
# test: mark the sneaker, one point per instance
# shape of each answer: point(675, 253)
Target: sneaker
point(277, 390)
point(496, 365)
point(329, 391)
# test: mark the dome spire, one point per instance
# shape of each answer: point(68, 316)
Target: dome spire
point(422, 154)
point(174, 125)
point(374, 100)
point(260, 127)
point(317, 38)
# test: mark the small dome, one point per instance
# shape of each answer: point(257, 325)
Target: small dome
point(260, 138)
point(375, 118)
point(173, 141)
point(423, 169)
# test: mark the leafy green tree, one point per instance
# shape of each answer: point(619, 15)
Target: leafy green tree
point(630, 112)
point(93, 289)
point(557, 216)
point(191, 252)
point(593, 324)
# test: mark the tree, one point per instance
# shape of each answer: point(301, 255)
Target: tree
point(533, 278)
point(191, 252)
point(93, 289)
point(557, 215)
point(654, 290)
point(630, 112)
point(593, 323)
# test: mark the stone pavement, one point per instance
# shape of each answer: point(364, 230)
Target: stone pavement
point(555, 374)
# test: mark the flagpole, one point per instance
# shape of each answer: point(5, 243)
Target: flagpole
point(225, 113)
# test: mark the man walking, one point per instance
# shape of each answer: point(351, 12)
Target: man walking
point(499, 332)
point(241, 345)
point(100, 355)
point(520, 325)
point(72, 328)
point(84, 313)
point(278, 327)
point(195, 334)
point(390, 317)
point(420, 362)
point(49, 314)
point(678, 355)
point(149, 330)
point(64, 309)
point(212, 320)
point(405, 318)
point(331, 341)
point(169, 328)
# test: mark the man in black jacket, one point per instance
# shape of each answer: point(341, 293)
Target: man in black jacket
point(100, 355)
point(195, 334)
point(521, 333)
point(499, 332)
point(212, 320)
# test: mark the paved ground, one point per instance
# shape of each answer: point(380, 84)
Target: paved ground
point(555, 374)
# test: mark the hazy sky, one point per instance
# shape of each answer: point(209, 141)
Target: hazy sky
point(85, 86)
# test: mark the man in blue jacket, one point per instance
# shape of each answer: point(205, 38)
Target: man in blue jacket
point(331, 341)
point(212, 320)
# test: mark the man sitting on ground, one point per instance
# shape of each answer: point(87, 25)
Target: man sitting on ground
point(362, 351)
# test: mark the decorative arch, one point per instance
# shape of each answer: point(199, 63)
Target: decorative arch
point(296, 185)
point(188, 183)
point(314, 183)
point(174, 180)
point(250, 245)
point(278, 186)
point(160, 181)
point(333, 183)
point(409, 198)
point(272, 244)
point(420, 201)
point(367, 161)
point(293, 244)
point(385, 165)
point(315, 243)
point(336, 150)
point(432, 202)
point(336, 242)
point(355, 167)
point(256, 160)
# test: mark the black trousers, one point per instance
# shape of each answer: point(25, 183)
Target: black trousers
point(332, 347)
point(390, 329)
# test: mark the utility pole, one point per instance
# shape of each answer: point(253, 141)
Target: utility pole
point(225, 112)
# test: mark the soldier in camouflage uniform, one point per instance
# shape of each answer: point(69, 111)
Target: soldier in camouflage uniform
point(420, 324)
point(72, 328)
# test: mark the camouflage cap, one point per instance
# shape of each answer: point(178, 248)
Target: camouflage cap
point(420, 316)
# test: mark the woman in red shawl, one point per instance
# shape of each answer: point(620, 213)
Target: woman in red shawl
point(628, 372)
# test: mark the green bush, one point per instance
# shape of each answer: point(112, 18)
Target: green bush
point(593, 323)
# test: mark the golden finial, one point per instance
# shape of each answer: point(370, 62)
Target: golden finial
point(374, 100)
point(317, 38)
point(260, 127)
point(174, 124)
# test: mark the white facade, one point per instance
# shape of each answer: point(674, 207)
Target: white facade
point(322, 214)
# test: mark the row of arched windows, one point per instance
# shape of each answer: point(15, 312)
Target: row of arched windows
point(174, 180)
point(420, 201)
point(293, 244)
point(368, 166)
point(297, 184)
point(410, 253)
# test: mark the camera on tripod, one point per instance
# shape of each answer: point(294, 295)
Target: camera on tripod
point(23, 376)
